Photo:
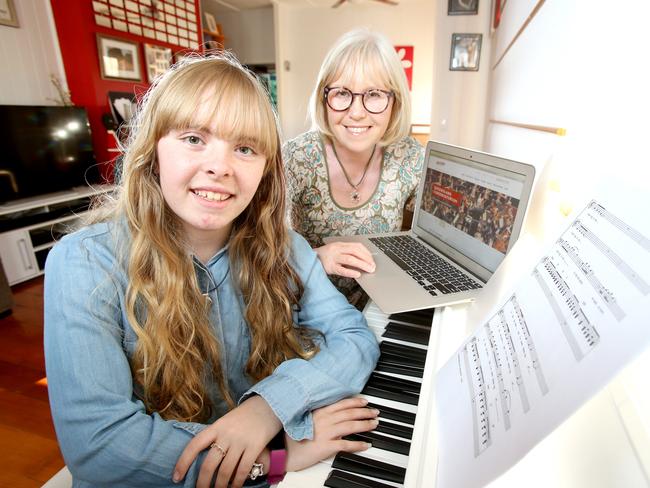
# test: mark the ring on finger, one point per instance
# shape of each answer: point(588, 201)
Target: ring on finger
point(216, 446)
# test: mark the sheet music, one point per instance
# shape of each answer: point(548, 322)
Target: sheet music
point(568, 327)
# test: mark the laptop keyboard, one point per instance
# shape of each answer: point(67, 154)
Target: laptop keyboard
point(432, 272)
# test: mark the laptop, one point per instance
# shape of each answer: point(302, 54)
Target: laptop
point(469, 213)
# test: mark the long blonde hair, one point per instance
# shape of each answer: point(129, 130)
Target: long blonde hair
point(177, 352)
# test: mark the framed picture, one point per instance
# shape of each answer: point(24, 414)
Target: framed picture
point(123, 106)
point(159, 59)
point(118, 59)
point(465, 52)
point(462, 7)
point(211, 23)
point(8, 13)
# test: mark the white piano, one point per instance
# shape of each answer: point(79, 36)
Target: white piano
point(606, 443)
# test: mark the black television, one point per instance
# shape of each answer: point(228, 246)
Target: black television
point(44, 150)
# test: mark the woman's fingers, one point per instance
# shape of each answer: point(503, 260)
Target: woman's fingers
point(346, 403)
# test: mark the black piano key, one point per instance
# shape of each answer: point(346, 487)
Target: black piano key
point(394, 384)
point(369, 467)
point(399, 368)
point(396, 358)
point(393, 414)
point(413, 353)
point(409, 398)
point(341, 479)
point(395, 429)
point(379, 441)
point(407, 333)
point(419, 317)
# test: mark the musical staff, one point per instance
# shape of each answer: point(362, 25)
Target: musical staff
point(476, 385)
point(622, 266)
point(630, 231)
point(530, 345)
point(585, 338)
point(594, 281)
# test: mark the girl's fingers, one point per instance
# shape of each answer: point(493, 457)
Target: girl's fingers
point(352, 446)
point(194, 447)
point(344, 404)
point(227, 468)
point(210, 464)
point(346, 272)
point(244, 469)
point(353, 427)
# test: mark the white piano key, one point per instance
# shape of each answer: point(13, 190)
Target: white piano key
point(401, 376)
point(405, 407)
point(404, 343)
point(384, 456)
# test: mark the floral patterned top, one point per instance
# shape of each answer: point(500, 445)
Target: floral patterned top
point(316, 215)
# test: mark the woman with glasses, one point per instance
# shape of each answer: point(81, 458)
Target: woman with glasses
point(358, 170)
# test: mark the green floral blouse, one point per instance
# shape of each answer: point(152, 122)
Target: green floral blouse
point(316, 215)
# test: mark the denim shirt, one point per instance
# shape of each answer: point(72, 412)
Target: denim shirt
point(104, 432)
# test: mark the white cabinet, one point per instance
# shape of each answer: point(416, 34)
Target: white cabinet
point(17, 255)
point(29, 228)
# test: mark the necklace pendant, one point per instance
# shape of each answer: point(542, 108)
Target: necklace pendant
point(355, 196)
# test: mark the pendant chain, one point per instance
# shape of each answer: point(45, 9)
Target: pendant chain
point(354, 194)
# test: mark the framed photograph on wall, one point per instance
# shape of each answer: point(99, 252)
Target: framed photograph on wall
point(8, 13)
point(462, 7)
point(465, 52)
point(159, 59)
point(119, 59)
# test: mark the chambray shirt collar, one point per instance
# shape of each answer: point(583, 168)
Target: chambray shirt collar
point(213, 274)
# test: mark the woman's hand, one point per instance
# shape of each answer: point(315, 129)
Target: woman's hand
point(237, 439)
point(345, 259)
point(331, 423)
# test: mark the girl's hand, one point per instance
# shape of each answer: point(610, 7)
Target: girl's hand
point(234, 442)
point(346, 259)
point(331, 423)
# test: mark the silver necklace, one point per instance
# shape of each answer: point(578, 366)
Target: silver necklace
point(354, 194)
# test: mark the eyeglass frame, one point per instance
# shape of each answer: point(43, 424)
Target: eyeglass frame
point(327, 89)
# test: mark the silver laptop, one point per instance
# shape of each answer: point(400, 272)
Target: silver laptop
point(469, 213)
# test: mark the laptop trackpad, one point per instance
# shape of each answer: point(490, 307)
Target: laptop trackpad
point(392, 287)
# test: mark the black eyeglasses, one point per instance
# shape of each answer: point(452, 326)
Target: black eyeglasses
point(374, 100)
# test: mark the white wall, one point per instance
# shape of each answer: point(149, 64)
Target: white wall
point(28, 55)
point(305, 33)
point(579, 66)
point(459, 100)
point(250, 34)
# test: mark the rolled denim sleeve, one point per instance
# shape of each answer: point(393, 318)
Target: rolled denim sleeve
point(347, 355)
point(105, 434)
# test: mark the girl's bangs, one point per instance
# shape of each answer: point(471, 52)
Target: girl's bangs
point(230, 106)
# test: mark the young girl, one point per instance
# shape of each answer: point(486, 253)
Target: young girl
point(188, 310)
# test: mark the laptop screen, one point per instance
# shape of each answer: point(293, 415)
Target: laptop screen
point(471, 207)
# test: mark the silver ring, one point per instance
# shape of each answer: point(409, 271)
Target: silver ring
point(216, 446)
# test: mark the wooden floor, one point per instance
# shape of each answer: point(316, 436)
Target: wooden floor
point(29, 453)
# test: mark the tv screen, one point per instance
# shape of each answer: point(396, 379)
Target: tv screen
point(44, 150)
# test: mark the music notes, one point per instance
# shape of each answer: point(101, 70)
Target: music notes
point(568, 326)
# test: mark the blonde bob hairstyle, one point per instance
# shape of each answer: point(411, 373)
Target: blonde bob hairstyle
point(364, 55)
point(177, 354)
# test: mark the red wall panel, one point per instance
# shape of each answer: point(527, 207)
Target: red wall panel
point(76, 30)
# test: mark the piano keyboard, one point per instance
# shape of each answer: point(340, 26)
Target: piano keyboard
point(394, 389)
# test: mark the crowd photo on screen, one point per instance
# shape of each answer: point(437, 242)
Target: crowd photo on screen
point(484, 214)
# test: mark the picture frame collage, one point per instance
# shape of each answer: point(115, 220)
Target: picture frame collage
point(170, 21)
point(465, 48)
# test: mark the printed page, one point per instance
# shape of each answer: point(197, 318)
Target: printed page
point(563, 333)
